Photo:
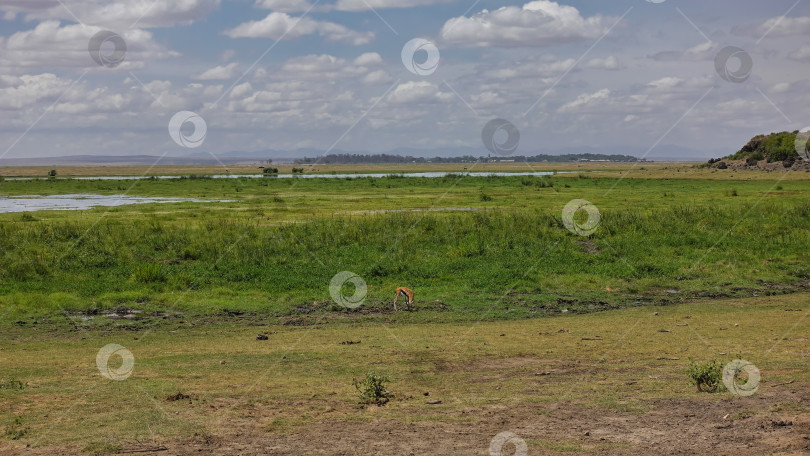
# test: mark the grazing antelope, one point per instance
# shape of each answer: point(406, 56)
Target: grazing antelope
point(402, 291)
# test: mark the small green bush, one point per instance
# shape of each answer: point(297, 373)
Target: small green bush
point(372, 389)
point(11, 384)
point(16, 430)
point(708, 377)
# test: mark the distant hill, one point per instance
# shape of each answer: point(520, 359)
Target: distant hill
point(111, 160)
point(769, 152)
point(775, 147)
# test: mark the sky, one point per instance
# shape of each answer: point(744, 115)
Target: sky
point(155, 77)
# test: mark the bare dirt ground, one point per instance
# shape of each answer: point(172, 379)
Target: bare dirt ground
point(752, 425)
point(672, 427)
point(564, 386)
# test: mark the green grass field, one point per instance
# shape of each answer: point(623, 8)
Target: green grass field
point(512, 309)
point(276, 246)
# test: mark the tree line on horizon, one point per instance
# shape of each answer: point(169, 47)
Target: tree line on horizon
point(344, 159)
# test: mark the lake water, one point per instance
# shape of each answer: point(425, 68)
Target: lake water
point(88, 201)
point(312, 176)
point(77, 202)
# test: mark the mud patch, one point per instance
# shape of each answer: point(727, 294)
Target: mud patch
point(177, 397)
point(120, 313)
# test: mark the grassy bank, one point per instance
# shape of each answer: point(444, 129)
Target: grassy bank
point(274, 248)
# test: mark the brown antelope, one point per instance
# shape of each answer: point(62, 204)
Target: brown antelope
point(402, 291)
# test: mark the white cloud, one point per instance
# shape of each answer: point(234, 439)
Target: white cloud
point(378, 77)
point(369, 59)
point(51, 45)
point(115, 14)
point(218, 73)
point(241, 90)
point(584, 100)
point(537, 23)
point(285, 6)
point(543, 67)
point(703, 51)
point(608, 63)
point(802, 54)
point(784, 26)
point(417, 92)
point(321, 67)
point(365, 5)
point(300, 6)
point(666, 83)
point(29, 89)
point(277, 26)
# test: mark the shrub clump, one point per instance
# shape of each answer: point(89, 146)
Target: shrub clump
point(708, 377)
point(372, 389)
point(17, 430)
point(11, 384)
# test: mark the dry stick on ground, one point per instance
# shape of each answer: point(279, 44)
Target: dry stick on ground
point(782, 384)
